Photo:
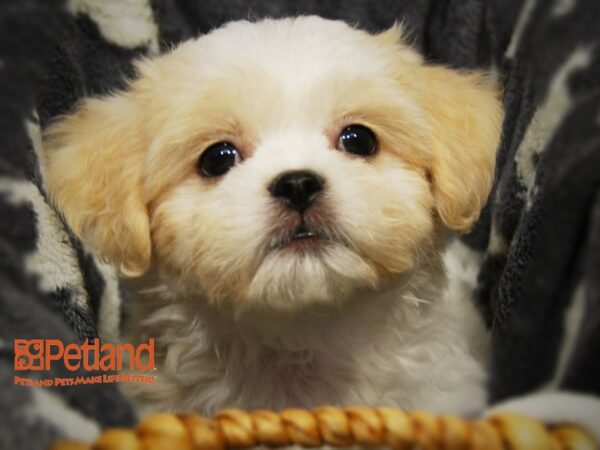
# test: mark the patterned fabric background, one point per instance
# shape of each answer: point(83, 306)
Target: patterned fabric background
point(538, 241)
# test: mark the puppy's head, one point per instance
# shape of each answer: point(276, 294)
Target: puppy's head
point(281, 163)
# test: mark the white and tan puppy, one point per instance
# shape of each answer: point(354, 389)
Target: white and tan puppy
point(282, 193)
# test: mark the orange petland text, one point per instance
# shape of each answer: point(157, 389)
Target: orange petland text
point(39, 355)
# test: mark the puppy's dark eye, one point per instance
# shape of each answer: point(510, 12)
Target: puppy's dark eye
point(218, 159)
point(358, 140)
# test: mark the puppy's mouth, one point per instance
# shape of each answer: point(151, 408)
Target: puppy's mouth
point(302, 232)
point(303, 238)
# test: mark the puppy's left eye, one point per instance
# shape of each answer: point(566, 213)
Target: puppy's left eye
point(218, 159)
point(358, 140)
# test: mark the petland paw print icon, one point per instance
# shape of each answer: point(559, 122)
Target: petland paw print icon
point(29, 354)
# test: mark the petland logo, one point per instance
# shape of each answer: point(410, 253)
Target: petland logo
point(37, 355)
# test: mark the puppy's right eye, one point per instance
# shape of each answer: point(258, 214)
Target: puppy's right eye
point(218, 159)
point(358, 140)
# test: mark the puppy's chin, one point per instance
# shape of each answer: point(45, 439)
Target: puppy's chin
point(305, 274)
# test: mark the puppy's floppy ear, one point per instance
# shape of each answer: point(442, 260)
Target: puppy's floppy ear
point(465, 115)
point(94, 160)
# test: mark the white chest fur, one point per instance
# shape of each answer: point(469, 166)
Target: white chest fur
point(414, 345)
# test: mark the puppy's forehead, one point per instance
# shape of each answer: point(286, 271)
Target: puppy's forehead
point(246, 80)
point(269, 72)
point(305, 46)
point(294, 53)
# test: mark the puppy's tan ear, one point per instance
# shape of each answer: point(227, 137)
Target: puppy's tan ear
point(93, 161)
point(465, 114)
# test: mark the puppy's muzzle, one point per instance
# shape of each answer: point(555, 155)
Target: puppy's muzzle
point(297, 190)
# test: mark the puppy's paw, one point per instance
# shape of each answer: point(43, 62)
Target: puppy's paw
point(556, 408)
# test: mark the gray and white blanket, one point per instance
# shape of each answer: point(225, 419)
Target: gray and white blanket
point(538, 241)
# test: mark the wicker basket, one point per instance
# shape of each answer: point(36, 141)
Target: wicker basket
point(337, 427)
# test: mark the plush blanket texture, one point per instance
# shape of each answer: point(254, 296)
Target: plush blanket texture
point(538, 242)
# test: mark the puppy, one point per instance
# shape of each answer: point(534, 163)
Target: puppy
point(280, 194)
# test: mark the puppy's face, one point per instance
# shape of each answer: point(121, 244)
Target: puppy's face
point(282, 163)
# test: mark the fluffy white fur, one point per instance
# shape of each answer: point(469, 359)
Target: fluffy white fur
point(240, 320)
point(400, 346)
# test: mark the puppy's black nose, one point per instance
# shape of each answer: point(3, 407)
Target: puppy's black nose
point(297, 189)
